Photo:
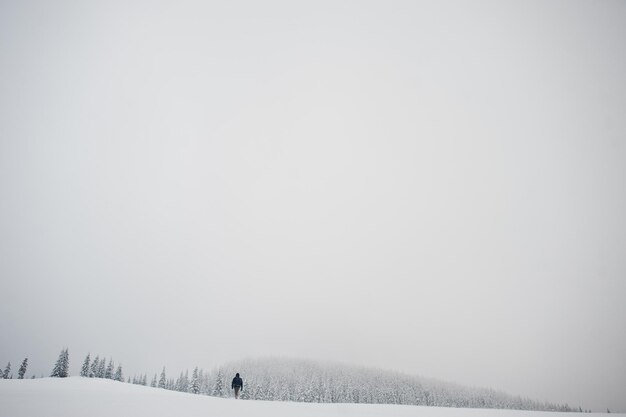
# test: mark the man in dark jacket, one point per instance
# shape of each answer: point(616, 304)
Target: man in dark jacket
point(237, 385)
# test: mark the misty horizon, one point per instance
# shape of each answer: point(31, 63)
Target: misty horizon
point(435, 188)
point(281, 368)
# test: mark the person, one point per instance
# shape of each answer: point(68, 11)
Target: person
point(237, 385)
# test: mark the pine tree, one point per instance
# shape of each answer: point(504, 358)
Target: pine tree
point(84, 371)
point(66, 364)
point(179, 382)
point(195, 384)
point(153, 384)
point(118, 374)
point(102, 368)
point(62, 365)
point(7, 370)
point(22, 371)
point(144, 380)
point(218, 389)
point(93, 372)
point(162, 380)
point(182, 384)
point(108, 374)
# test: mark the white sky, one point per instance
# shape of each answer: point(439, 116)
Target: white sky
point(433, 187)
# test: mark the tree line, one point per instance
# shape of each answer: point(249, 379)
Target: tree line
point(98, 368)
point(6, 374)
point(276, 379)
point(279, 379)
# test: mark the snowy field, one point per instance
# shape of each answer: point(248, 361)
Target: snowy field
point(80, 397)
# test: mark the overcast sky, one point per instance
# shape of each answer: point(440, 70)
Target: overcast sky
point(433, 187)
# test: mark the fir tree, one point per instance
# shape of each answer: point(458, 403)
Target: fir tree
point(118, 374)
point(153, 384)
point(144, 380)
point(62, 365)
point(108, 373)
point(219, 389)
point(7, 370)
point(182, 384)
point(195, 384)
point(93, 372)
point(179, 383)
point(22, 371)
point(162, 380)
point(84, 371)
point(101, 368)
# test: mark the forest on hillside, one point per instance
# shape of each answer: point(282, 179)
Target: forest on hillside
point(282, 379)
point(309, 381)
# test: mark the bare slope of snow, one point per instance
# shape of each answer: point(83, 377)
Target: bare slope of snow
point(78, 397)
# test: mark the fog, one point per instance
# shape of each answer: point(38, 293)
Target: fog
point(432, 187)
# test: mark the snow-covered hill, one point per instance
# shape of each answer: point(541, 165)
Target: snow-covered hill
point(290, 379)
point(79, 397)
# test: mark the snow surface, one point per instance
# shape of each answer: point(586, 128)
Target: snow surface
point(79, 397)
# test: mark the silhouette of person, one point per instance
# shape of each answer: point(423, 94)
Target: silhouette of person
point(237, 385)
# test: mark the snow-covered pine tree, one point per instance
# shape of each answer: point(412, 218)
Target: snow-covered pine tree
point(219, 388)
point(93, 372)
point(84, 371)
point(162, 380)
point(153, 384)
point(202, 382)
point(170, 384)
point(66, 364)
point(118, 374)
point(61, 367)
point(56, 371)
point(144, 380)
point(108, 373)
point(7, 370)
point(101, 368)
point(195, 384)
point(183, 385)
point(178, 382)
point(22, 371)
point(206, 387)
point(245, 393)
